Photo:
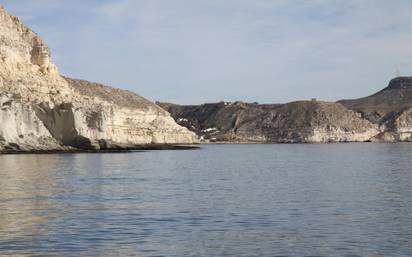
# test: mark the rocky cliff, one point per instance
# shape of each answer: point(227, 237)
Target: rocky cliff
point(42, 110)
point(384, 116)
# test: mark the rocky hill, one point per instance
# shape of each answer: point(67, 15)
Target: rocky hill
point(390, 108)
point(397, 96)
point(384, 116)
point(296, 122)
point(40, 110)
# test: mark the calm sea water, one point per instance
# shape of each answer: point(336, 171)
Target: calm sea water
point(220, 200)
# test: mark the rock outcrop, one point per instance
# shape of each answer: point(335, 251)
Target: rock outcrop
point(40, 110)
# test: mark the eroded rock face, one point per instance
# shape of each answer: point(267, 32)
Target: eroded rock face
point(41, 110)
point(21, 129)
point(314, 122)
point(397, 128)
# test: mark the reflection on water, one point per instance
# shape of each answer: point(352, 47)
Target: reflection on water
point(224, 200)
point(26, 184)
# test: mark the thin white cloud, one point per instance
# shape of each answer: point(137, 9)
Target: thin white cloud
point(192, 51)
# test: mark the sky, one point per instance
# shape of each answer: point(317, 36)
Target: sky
point(197, 51)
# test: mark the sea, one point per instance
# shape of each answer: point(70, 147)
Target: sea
point(219, 200)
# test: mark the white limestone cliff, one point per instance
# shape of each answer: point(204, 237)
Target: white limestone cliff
point(41, 110)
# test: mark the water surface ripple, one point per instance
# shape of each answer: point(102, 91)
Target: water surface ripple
point(221, 200)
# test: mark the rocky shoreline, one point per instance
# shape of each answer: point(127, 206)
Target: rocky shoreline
point(141, 148)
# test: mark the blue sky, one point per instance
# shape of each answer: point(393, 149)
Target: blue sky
point(196, 51)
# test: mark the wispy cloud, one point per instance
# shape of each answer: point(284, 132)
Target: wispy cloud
point(192, 51)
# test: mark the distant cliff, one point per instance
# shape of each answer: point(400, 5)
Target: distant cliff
point(384, 116)
point(42, 111)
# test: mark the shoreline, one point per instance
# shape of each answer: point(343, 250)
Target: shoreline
point(301, 143)
point(178, 147)
point(91, 151)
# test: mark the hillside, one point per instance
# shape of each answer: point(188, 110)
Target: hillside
point(390, 108)
point(396, 97)
point(296, 122)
